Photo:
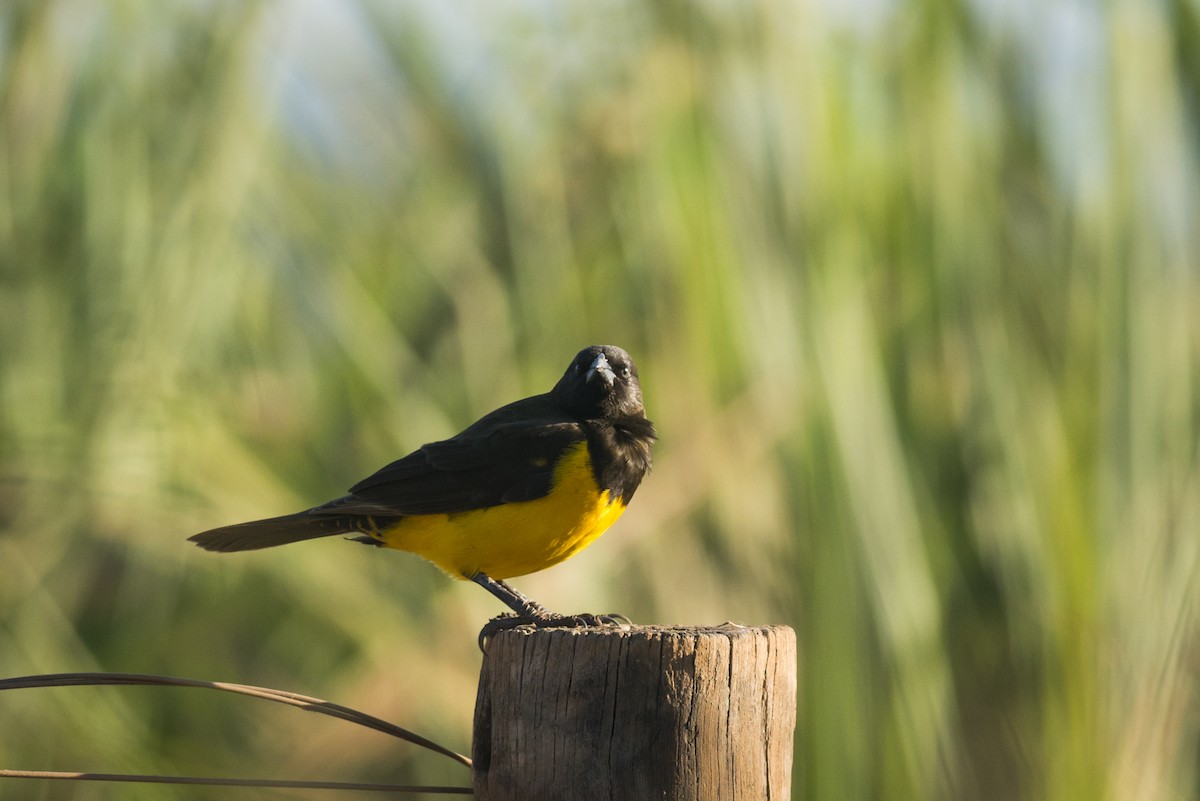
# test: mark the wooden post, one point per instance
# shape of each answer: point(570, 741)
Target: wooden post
point(647, 712)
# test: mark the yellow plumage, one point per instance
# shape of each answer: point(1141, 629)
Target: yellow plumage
point(514, 539)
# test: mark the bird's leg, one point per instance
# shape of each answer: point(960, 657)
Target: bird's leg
point(521, 604)
point(527, 611)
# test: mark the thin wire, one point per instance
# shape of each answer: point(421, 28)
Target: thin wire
point(307, 703)
point(214, 782)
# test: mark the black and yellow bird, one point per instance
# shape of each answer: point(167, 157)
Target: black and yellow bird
point(520, 490)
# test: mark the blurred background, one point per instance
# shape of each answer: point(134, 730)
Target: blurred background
point(913, 288)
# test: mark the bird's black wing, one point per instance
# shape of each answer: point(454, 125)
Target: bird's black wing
point(505, 457)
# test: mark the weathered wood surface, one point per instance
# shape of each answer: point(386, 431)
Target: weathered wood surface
point(695, 714)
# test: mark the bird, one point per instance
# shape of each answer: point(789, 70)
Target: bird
point(520, 490)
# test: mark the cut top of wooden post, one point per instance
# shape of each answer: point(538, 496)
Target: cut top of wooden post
point(635, 713)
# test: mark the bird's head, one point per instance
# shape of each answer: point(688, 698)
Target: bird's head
point(601, 382)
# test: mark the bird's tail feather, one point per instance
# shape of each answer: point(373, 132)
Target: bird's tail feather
point(275, 531)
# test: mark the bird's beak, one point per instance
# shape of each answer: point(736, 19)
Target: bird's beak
point(601, 368)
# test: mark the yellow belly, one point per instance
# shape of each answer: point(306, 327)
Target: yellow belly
point(515, 538)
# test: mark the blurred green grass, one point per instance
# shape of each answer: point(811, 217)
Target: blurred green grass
point(914, 290)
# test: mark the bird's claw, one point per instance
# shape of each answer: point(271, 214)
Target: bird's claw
point(548, 620)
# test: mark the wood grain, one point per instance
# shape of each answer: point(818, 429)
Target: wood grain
point(644, 712)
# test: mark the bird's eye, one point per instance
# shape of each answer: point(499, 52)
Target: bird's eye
point(625, 371)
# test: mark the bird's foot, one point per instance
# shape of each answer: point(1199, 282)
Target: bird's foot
point(548, 620)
